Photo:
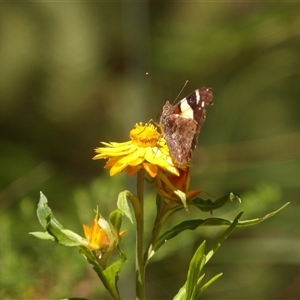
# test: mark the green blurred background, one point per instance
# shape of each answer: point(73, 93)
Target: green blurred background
point(73, 74)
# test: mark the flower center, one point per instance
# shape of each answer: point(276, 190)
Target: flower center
point(144, 135)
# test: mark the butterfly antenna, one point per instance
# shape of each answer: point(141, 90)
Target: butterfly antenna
point(185, 84)
point(156, 86)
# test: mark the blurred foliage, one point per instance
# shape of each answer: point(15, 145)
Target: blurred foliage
point(72, 75)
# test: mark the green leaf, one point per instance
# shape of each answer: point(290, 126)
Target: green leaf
point(208, 283)
point(181, 294)
point(105, 274)
point(209, 205)
point(115, 218)
point(259, 220)
point(112, 272)
point(110, 275)
point(223, 237)
point(194, 224)
point(196, 266)
point(44, 213)
point(191, 289)
point(54, 228)
point(188, 225)
point(122, 203)
point(42, 235)
point(182, 197)
point(55, 231)
point(159, 203)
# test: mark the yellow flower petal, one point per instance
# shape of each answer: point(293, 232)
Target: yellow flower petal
point(131, 170)
point(147, 149)
point(116, 151)
point(117, 168)
point(150, 169)
point(96, 236)
point(136, 162)
point(130, 157)
point(142, 151)
point(101, 236)
point(175, 187)
point(110, 163)
point(115, 144)
point(151, 154)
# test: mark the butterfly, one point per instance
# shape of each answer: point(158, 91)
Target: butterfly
point(181, 124)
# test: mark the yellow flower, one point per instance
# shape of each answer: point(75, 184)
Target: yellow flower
point(172, 186)
point(101, 236)
point(96, 236)
point(146, 149)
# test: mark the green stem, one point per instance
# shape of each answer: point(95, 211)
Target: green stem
point(140, 267)
point(166, 210)
point(100, 272)
point(158, 224)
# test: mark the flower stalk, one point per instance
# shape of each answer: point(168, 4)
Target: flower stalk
point(140, 266)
